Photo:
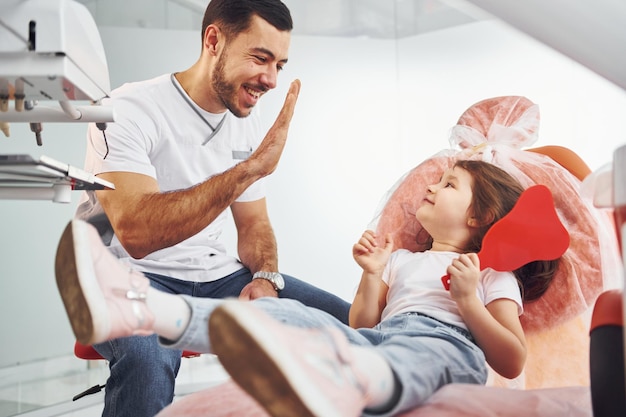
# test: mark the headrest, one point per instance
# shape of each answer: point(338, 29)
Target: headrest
point(510, 120)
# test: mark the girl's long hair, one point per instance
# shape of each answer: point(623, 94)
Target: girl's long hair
point(495, 192)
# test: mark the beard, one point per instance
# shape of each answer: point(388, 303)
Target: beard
point(226, 91)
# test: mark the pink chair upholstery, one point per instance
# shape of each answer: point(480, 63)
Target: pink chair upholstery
point(454, 400)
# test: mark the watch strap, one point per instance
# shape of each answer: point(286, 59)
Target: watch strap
point(269, 276)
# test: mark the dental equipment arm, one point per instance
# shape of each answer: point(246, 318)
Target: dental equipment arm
point(50, 50)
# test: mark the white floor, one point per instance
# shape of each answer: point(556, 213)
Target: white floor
point(46, 388)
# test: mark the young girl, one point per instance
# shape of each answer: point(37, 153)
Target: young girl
point(408, 337)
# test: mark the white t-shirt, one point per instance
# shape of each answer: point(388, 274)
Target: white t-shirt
point(414, 280)
point(157, 133)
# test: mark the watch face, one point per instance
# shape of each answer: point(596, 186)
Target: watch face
point(279, 281)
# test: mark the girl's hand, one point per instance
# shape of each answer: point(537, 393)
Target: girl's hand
point(464, 276)
point(370, 257)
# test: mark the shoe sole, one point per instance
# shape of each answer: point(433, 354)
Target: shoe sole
point(261, 366)
point(73, 271)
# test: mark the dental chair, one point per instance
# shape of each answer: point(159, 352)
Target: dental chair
point(607, 350)
point(556, 380)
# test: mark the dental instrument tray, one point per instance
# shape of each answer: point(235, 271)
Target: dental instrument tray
point(43, 178)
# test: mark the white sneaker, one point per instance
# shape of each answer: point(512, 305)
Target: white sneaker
point(103, 298)
point(291, 372)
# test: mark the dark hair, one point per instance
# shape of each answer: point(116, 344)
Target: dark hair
point(495, 192)
point(233, 16)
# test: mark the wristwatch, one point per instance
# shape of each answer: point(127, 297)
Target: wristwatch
point(274, 277)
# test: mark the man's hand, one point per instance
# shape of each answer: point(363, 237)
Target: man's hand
point(258, 288)
point(265, 159)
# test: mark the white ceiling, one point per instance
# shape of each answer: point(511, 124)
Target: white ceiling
point(591, 32)
point(386, 19)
